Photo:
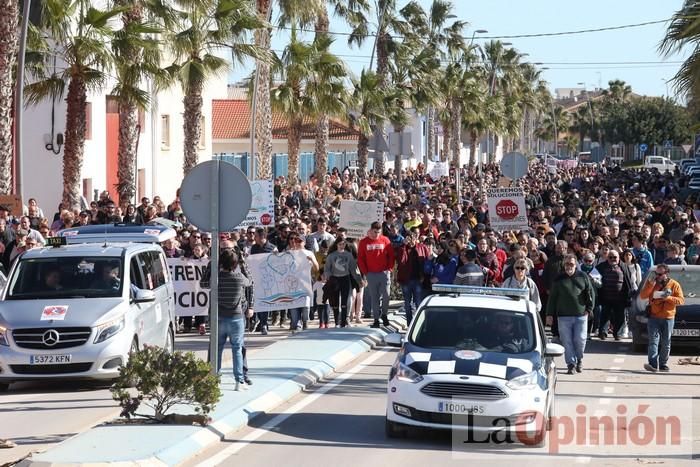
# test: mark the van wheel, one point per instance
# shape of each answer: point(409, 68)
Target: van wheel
point(169, 341)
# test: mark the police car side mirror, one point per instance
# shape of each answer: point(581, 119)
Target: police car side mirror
point(395, 339)
point(553, 350)
point(144, 296)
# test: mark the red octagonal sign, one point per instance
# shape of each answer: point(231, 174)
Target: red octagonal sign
point(507, 209)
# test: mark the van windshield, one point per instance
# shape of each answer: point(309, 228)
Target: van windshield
point(66, 277)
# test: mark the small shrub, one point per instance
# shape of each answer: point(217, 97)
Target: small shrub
point(161, 380)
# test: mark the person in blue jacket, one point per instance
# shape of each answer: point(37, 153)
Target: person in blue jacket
point(443, 268)
point(643, 255)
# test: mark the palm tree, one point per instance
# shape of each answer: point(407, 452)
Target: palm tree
point(556, 122)
point(79, 33)
point(571, 143)
point(137, 59)
point(263, 109)
point(368, 97)
point(618, 91)
point(9, 15)
point(683, 33)
point(203, 28)
point(289, 97)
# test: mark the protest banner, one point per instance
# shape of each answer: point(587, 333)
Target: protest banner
point(190, 298)
point(282, 280)
point(507, 209)
point(262, 207)
point(357, 216)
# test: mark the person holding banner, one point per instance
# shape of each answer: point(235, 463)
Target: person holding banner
point(296, 243)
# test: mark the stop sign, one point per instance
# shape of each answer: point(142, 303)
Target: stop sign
point(507, 209)
point(266, 219)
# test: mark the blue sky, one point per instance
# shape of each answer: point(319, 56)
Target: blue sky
point(563, 55)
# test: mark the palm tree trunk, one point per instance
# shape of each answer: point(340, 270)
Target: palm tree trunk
point(431, 132)
point(74, 147)
point(446, 141)
point(398, 158)
point(321, 148)
point(263, 114)
point(192, 126)
point(128, 119)
point(293, 145)
point(472, 147)
point(9, 17)
point(362, 152)
point(323, 123)
point(456, 131)
point(128, 137)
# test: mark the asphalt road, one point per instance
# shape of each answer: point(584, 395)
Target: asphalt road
point(340, 422)
point(38, 414)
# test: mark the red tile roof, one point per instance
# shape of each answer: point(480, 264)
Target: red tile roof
point(231, 120)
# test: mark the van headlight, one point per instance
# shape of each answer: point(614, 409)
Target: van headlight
point(528, 381)
point(107, 330)
point(3, 336)
point(404, 373)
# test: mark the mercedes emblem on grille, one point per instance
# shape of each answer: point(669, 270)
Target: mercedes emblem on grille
point(50, 338)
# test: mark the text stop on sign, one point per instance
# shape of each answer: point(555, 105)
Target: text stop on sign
point(507, 209)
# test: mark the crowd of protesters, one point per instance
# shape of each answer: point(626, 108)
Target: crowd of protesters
point(594, 233)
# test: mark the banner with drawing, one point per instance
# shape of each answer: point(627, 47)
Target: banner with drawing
point(282, 280)
point(357, 216)
point(262, 207)
point(190, 298)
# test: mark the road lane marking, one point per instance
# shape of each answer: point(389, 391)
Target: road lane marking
point(599, 413)
point(604, 401)
point(619, 360)
point(583, 460)
point(608, 390)
point(611, 379)
point(222, 456)
point(615, 368)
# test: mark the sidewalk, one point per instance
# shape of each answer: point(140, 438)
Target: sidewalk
point(279, 372)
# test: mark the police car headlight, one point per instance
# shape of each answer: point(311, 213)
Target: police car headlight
point(107, 330)
point(3, 336)
point(404, 373)
point(528, 381)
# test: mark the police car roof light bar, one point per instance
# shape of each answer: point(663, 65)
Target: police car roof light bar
point(474, 290)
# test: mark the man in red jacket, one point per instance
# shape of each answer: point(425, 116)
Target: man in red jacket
point(410, 260)
point(375, 257)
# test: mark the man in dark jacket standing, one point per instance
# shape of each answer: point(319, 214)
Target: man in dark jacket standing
point(571, 300)
point(614, 294)
point(410, 259)
point(470, 273)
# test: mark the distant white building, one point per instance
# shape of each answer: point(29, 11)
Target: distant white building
point(160, 150)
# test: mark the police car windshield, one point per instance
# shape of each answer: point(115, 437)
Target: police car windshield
point(474, 329)
point(66, 277)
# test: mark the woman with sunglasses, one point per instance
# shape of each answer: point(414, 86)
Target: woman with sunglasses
point(296, 244)
point(520, 280)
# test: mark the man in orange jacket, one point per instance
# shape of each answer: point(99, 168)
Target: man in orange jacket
point(664, 295)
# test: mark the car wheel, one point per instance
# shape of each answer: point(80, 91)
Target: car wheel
point(170, 341)
point(393, 429)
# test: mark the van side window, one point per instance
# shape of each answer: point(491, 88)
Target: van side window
point(135, 273)
point(146, 262)
point(157, 269)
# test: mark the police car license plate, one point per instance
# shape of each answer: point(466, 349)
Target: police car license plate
point(49, 359)
point(460, 408)
point(686, 332)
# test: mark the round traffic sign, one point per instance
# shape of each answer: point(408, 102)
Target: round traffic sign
point(643, 147)
point(198, 195)
point(514, 165)
point(507, 209)
point(266, 219)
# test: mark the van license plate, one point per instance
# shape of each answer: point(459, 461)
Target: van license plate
point(49, 359)
point(460, 408)
point(686, 332)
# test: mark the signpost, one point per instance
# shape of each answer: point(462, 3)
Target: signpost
point(215, 196)
point(507, 209)
point(514, 165)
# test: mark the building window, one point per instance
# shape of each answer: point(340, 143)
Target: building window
point(202, 139)
point(165, 132)
point(88, 120)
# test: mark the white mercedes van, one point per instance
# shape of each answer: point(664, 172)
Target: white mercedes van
point(78, 307)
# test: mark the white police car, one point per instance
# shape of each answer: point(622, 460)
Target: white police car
point(474, 359)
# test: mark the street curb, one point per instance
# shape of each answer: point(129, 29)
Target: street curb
point(239, 417)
